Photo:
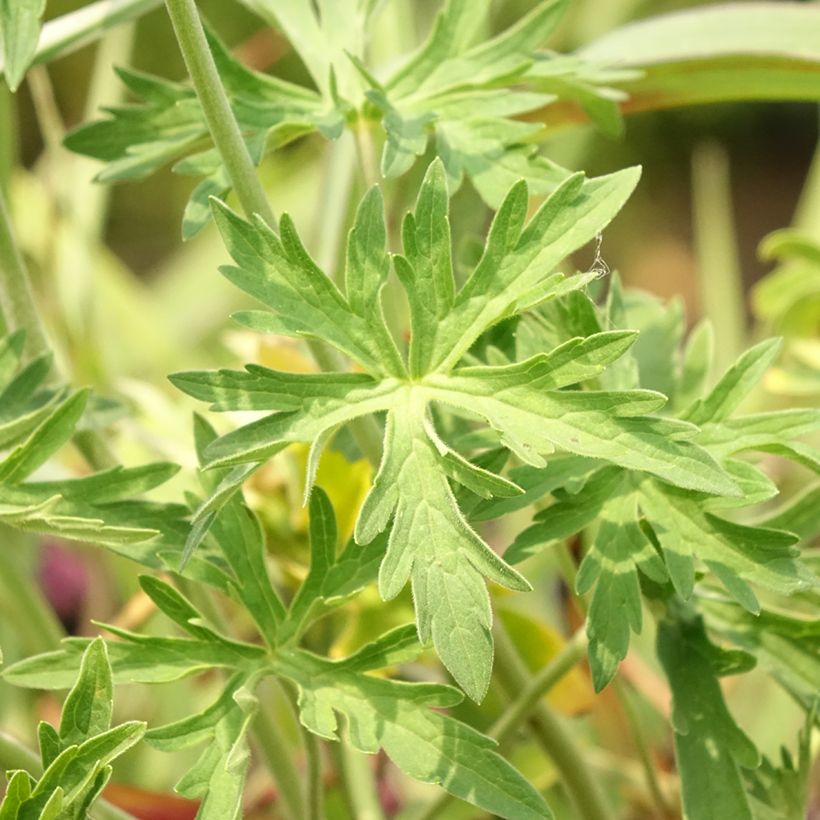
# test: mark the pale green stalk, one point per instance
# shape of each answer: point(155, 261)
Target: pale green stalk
point(625, 696)
point(357, 781)
point(16, 298)
point(8, 146)
point(227, 138)
point(719, 281)
point(274, 748)
point(221, 122)
point(338, 181)
point(314, 784)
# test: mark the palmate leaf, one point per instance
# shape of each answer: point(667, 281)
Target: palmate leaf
point(76, 757)
point(710, 748)
point(430, 542)
point(645, 526)
point(168, 126)
point(36, 421)
point(468, 98)
point(395, 716)
point(434, 94)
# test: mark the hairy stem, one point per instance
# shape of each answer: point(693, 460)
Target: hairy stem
point(548, 729)
point(16, 297)
point(221, 122)
point(227, 138)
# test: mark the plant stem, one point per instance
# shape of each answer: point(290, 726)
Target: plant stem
point(16, 299)
point(625, 696)
point(280, 762)
point(357, 781)
point(523, 706)
point(552, 735)
point(340, 169)
point(227, 138)
point(719, 281)
point(315, 787)
point(221, 122)
point(526, 702)
point(366, 152)
point(40, 631)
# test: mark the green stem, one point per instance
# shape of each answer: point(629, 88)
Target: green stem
point(719, 280)
point(553, 737)
point(14, 755)
point(274, 749)
point(40, 631)
point(227, 138)
point(526, 702)
point(8, 131)
point(16, 298)
point(357, 781)
point(338, 180)
point(221, 122)
point(366, 151)
point(625, 697)
point(315, 787)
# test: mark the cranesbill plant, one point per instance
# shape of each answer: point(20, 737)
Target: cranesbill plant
point(480, 385)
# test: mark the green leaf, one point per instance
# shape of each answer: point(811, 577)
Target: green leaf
point(737, 554)
point(87, 709)
point(136, 659)
point(737, 51)
point(611, 565)
point(425, 744)
point(709, 746)
point(20, 26)
point(49, 436)
point(431, 543)
point(735, 385)
point(76, 760)
point(239, 536)
point(102, 508)
point(168, 125)
point(331, 579)
point(218, 776)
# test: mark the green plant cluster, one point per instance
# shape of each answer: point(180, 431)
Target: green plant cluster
point(511, 387)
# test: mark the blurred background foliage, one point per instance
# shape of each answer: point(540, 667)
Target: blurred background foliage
point(127, 302)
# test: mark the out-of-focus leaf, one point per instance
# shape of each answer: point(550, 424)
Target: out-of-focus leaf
point(737, 51)
point(20, 27)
